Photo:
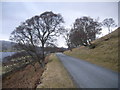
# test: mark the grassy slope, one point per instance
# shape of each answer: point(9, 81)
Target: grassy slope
point(105, 54)
point(55, 75)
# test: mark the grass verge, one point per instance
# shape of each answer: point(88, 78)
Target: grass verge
point(55, 75)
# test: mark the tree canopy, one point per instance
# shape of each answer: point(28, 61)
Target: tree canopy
point(84, 31)
point(109, 23)
point(37, 32)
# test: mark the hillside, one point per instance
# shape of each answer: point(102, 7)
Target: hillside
point(104, 54)
point(25, 77)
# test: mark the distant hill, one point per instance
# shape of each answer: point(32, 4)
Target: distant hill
point(7, 45)
point(104, 54)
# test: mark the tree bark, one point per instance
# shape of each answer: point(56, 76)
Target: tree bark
point(109, 29)
point(42, 64)
point(43, 56)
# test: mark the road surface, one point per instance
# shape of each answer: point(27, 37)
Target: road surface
point(87, 75)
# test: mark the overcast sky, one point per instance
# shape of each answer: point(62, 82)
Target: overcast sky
point(13, 13)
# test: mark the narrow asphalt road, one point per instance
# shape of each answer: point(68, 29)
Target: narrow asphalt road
point(87, 75)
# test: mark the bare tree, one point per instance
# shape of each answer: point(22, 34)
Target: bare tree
point(109, 23)
point(75, 38)
point(84, 31)
point(36, 32)
point(66, 36)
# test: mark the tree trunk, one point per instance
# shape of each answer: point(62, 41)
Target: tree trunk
point(89, 42)
point(34, 67)
point(43, 52)
point(42, 64)
point(109, 29)
point(69, 47)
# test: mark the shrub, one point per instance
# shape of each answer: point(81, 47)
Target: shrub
point(92, 46)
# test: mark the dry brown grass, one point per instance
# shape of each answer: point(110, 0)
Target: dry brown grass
point(55, 75)
point(104, 54)
point(24, 78)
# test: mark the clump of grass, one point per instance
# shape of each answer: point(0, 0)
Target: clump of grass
point(104, 54)
point(55, 75)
